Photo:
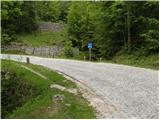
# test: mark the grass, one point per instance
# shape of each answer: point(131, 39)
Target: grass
point(44, 38)
point(43, 106)
point(151, 61)
point(13, 52)
point(57, 79)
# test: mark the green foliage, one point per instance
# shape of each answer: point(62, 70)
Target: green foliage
point(64, 6)
point(68, 52)
point(52, 10)
point(5, 39)
point(14, 91)
point(75, 30)
point(44, 38)
point(27, 22)
point(150, 61)
point(17, 17)
point(150, 36)
point(80, 26)
point(13, 52)
point(10, 10)
point(48, 11)
point(109, 24)
point(40, 98)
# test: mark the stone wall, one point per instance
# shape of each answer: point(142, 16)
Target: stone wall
point(46, 51)
point(49, 26)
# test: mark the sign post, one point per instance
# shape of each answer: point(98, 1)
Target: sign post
point(90, 45)
point(90, 54)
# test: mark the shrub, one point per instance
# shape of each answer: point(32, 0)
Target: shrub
point(14, 92)
point(68, 52)
point(5, 39)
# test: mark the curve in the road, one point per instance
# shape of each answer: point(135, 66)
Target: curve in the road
point(133, 90)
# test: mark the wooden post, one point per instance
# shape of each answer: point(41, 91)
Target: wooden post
point(49, 51)
point(28, 60)
point(84, 58)
point(33, 51)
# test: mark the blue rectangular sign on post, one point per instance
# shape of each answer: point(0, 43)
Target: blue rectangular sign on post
point(90, 45)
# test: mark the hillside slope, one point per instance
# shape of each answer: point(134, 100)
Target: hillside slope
point(36, 95)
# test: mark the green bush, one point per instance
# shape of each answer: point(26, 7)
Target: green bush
point(5, 39)
point(14, 92)
point(68, 52)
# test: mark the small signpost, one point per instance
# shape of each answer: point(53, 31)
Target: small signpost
point(90, 45)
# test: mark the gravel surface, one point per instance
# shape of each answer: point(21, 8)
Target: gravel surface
point(132, 91)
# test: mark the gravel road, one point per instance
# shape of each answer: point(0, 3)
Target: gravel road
point(133, 91)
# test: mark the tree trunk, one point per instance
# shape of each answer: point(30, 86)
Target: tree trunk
point(129, 36)
point(124, 38)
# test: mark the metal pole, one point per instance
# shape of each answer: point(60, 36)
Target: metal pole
point(90, 54)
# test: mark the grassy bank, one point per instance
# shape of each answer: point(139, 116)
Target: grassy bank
point(40, 103)
point(151, 61)
point(43, 38)
point(13, 52)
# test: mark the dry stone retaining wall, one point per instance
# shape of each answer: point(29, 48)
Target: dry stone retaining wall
point(49, 26)
point(46, 51)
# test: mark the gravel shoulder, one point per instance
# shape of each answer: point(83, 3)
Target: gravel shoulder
point(131, 91)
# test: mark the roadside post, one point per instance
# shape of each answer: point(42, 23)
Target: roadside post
point(90, 45)
point(28, 61)
point(84, 58)
point(100, 59)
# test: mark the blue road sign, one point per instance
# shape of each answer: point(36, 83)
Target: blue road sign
point(90, 45)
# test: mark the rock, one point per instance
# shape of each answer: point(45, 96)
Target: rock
point(64, 81)
point(58, 97)
point(57, 86)
point(72, 90)
point(68, 104)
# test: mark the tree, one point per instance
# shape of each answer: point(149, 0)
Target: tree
point(80, 23)
point(128, 26)
point(48, 10)
point(17, 17)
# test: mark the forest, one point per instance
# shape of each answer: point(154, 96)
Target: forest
point(114, 27)
point(77, 85)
